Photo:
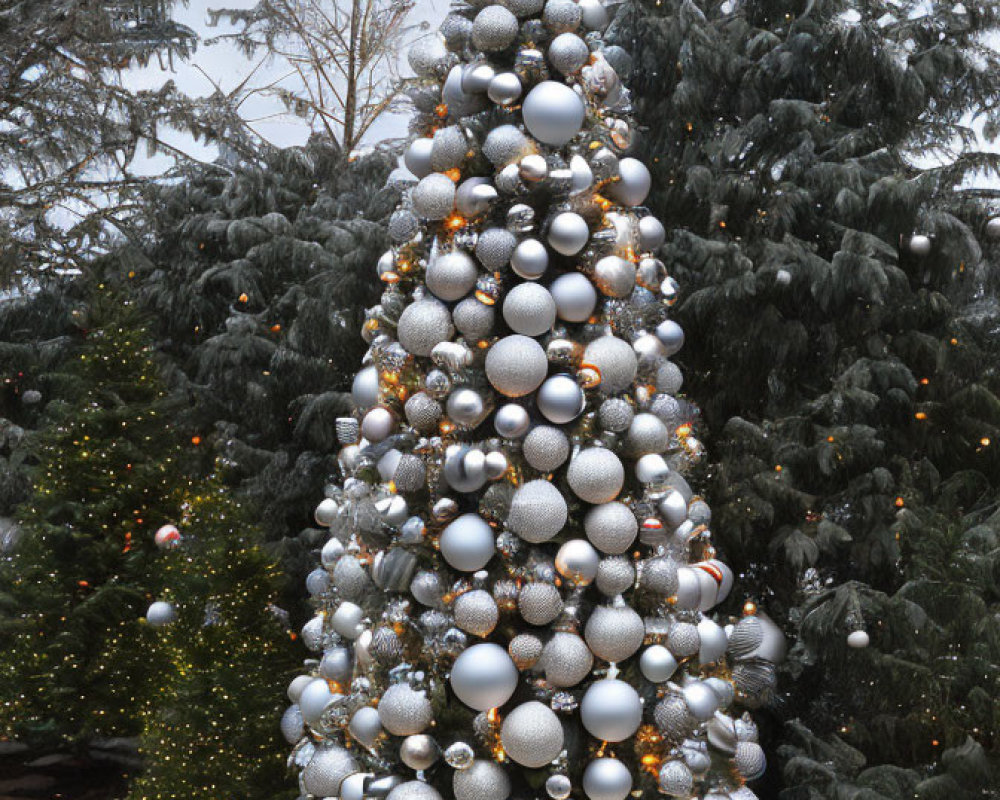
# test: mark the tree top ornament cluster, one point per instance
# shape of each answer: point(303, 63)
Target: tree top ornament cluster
point(513, 599)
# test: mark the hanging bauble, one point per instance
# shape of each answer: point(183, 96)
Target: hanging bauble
point(494, 29)
point(476, 612)
point(858, 639)
point(505, 145)
point(411, 790)
point(749, 760)
point(378, 424)
point(466, 407)
point(553, 113)
point(426, 587)
point(364, 390)
point(529, 309)
point(474, 196)
point(404, 710)
point(532, 735)
point(417, 157)
point(546, 448)
point(467, 544)
point(422, 325)
point(337, 664)
point(539, 603)
point(326, 771)
point(568, 233)
point(410, 474)
point(484, 676)
point(919, 244)
point(494, 248)
point(524, 8)
point(428, 56)
point(292, 724)
point(607, 779)
point(538, 511)
point(657, 664)
point(474, 320)
point(168, 537)
point(482, 780)
point(615, 414)
point(448, 149)
point(423, 412)
point(351, 578)
point(568, 53)
point(457, 32)
point(347, 620)
point(560, 399)
point(993, 228)
point(712, 641)
point(504, 89)
point(671, 335)
point(459, 102)
point(160, 613)
point(615, 575)
point(633, 184)
point(701, 701)
point(561, 16)
point(511, 421)
point(533, 168)
point(683, 639)
point(365, 725)
point(465, 467)
point(614, 632)
point(558, 786)
point(651, 469)
point(530, 259)
point(419, 751)
point(611, 527)
point(611, 710)
point(596, 474)
point(476, 78)
point(520, 218)
point(758, 637)
point(525, 649)
point(614, 276)
point(675, 779)
point(594, 15)
point(516, 365)
point(566, 660)
point(577, 562)
point(574, 296)
point(651, 234)
point(434, 196)
point(314, 699)
point(673, 509)
point(647, 434)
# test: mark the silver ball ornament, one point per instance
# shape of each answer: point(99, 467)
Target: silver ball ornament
point(404, 710)
point(525, 649)
point(676, 780)
point(577, 562)
point(712, 641)
point(560, 399)
point(477, 77)
point(428, 55)
point(476, 612)
point(611, 527)
point(532, 735)
point(529, 309)
point(327, 770)
point(919, 245)
point(365, 725)
point(160, 613)
point(467, 544)
point(615, 575)
point(426, 587)
point(615, 360)
point(423, 412)
point(504, 89)
point(558, 786)
point(314, 699)
point(292, 724)
point(596, 475)
point(545, 448)
point(566, 660)
point(537, 512)
point(482, 780)
point(523, 8)
point(568, 233)
point(553, 113)
point(422, 325)
point(647, 434)
point(297, 686)
point(858, 639)
point(568, 53)
point(993, 228)
point(378, 424)
point(417, 157)
point(451, 276)
point(607, 779)
point(474, 320)
point(575, 297)
point(530, 259)
point(615, 414)
point(511, 421)
point(657, 664)
point(614, 276)
point(652, 234)
point(364, 390)
point(633, 184)
point(494, 248)
point(611, 710)
point(449, 148)
point(337, 665)
point(560, 16)
point(347, 620)
point(434, 196)
point(671, 335)
point(614, 633)
point(701, 701)
point(484, 676)
point(504, 145)
point(418, 751)
point(516, 365)
point(414, 790)
point(466, 407)
point(749, 760)
point(494, 29)
point(539, 603)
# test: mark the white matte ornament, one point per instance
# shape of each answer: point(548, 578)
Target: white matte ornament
point(346, 620)
point(611, 710)
point(378, 424)
point(671, 335)
point(714, 641)
point(615, 276)
point(577, 562)
point(634, 182)
point(607, 779)
point(569, 233)
point(484, 676)
point(530, 259)
point(701, 701)
point(919, 245)
point(365, 725)
point(511, 421)
point(529, 309)
point(417, 157)
point(596, 475)
point(468, 543)
point(516, 365)
point(353, 786)
point(651, 234)
point(314, 699)
point(297, 686)
point(504, 89)
point(160, 613)
point(560, 399)
point(858, 639)
point(532, 735)
point(594, 14)
point(553, 113)
point(364, 390)
point(657, 664)
point(575, 297)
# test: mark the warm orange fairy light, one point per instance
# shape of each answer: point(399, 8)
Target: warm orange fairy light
point(446, 427)
point(244, 298)
point(924, 381)
point(196, 440)
point(900, 502)
point(441, 110)
point(920, 415)
point(454, 173)
point(389, 277)
point(749, 608)
point(985, 441)
point(484, 298)
point(777, 467)
point(455, 221)
point(683, 430)
point(830, 439)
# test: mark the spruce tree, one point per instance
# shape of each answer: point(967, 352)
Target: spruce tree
point(842, 322)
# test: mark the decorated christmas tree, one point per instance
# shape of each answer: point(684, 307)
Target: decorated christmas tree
point(514, 597)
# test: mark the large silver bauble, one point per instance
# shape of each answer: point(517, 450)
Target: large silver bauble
point(560, 399)
point(523, 8)
point(417, 157)
point(516, 365)
point(422, 325)
point(611, 710)
point(482, 780)
point(607, 779)
point(468, 543)
point(530, 259)
point(504, 145)
point(568, 53)
point(365, 725)
point(326, 770)
point(538, 511)
point(539, 603)
point(546, 448)
point(566, 660)
point(476, 612)
point(364, 390)
point(292, 724)
point(532, 735)
point(474, 320)
point(419, 751)
point(596, 475)
point(529, 309)
point(553, 113)
point(414, 790)
point(451, 276)
point(434, 196)
point(511, 421)
point(484, 676)
point(615, 276)
point(504, 89)
point(568, 233)
point(611, 527)
point(615, 360)
point(577, 562)
point(615, 575)
point(494, 29)
point(575, 297)
point(657, 664)
point(614, 632)
point(404, 710)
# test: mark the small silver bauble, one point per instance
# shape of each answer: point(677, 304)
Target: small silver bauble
point(326, 512)
point(504, 89)
point(365, 725)
point(568, 53)
point(577, 562)
point(539, 603)
point(312, 634)
point(553, 113)
point(505, 145)
point(426, 586)
point(657, 664)
point(611, 527)
point(615, 276)
point(484, 676)
point(364, 390)
point(530, 259)
point(566, 660)
point(516, 365)
point(467, 544)
point(546, 448)
point(532, 735)
point(558, 786)
point(562, 15)
point(538, 511)
point(457, 32)
point(482, 780)
point(423, 325)
point(919, 245)
point(749, 760)
point(672, 336)
point(525, 649)
point(568, 233)
point(596, 475)
point(411, 790)
point(417, 157)
point(459, 102)
point(378, 424)
point(560, 399)
point(466, 406)
point(459, 755)
point(476, 612)
point(327, 770)
point(634, 182)
point(494, 29)
point(701, 701)
point(314, 699)
point(292, 725)
point(511, 421)
point(614, 633)
point(423, 412)
point(676, 780)
point(858, 639)
point(529, 309)
point(533, 168)
point(465, 467)
point(297, 686)
point(615, 575)
point(428, 55)
point(434, 196)
point(651, 469)
point(494, 248)
point(418, 751)
point(651, 234)
point(575, 297)
point(607, 779)
point(474, 320)
point(611, 710)
point(524, 8)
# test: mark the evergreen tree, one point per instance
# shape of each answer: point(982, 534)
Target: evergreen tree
point(842, 322)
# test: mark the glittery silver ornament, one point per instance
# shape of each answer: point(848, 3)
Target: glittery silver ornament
point(530, 259)
point(494, 247)
point(414, 790)
point(422, 325)
point(659, 576)
point(484, 676)
point(568, 53)
point(673, 718)
point(615, 414)
point(292, 724)
point(553, 113)
point(529, 309)
point(539, 603)
point(647, 434)
point(676, 780)
point(504, 89)
point(614, 576)
point(754, 678)
point(516, 365)
point(545, 448)
point(452, 275)
point(611, 527)
point(449, 148)
point(403, 225)
point(532, 735)
point(482, 780)
point(607, 779)
point(524, 8)
point(474, 320)
point(467, 544)
point(611, 710)
point(476, 612)
point(749, 760)
point(614, 276)
point(419, 751)
point(457, 31)
point(504, 145)
point(561, 16)
point(525, 649)
point(423, 412)
point(351, 578)
point(404, 710)
point(327, 769)
point(683, 640)
point(615, 360)
point(614, 633)
point(594, 14)
point(494, 29)
point(434, 196)
point(566, 660)
point(757, 637)
point(575, 297)
point(560, 399)
point(428, 56)
point(410, 474)
point(596, 475)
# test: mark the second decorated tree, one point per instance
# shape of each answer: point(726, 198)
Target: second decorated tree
point(514, 596)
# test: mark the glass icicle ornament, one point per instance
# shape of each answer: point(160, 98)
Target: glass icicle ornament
point(513, 474)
